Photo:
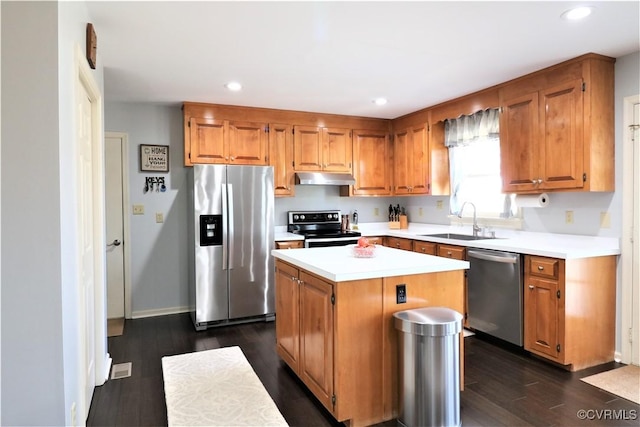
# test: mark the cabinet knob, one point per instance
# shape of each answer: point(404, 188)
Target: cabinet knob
point(232, 158)
point(226, 157)
point(539, 180)
point(540, 268)
point(449, 253)
point(397, 244)
point(531, 287)
point(288, 188)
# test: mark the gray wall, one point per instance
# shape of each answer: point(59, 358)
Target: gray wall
point(40, 336)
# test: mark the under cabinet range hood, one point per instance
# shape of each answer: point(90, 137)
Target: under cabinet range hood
point(324, 178)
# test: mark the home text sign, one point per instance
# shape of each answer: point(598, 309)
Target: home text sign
point(154, 158)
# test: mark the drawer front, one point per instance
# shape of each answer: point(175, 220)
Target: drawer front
point(399, 243)
point(427, 248)
point(290, 244)
point(544, 267)
point(375, 240)
point(454, 252)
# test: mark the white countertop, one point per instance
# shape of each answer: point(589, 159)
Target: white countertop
point(563, 246)
point(337, 263)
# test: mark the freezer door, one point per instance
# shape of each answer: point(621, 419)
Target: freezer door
point(211, 289)
point(251, 239)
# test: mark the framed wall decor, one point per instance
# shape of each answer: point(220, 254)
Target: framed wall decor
point(154, 158)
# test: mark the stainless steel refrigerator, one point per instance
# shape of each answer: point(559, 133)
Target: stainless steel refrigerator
point(231, 225)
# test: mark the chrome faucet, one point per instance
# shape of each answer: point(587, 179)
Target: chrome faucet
point(476, 229)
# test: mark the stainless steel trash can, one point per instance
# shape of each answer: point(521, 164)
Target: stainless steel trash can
point(428, 366)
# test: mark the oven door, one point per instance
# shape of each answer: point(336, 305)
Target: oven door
point(319, 242)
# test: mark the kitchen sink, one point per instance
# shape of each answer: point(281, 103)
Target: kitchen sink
point(455, 236)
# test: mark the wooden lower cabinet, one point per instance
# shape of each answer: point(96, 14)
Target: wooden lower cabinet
point(569, 310)
point(339, 337)
point(376, 240)
point(427, 248)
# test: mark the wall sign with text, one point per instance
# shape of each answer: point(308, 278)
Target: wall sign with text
point(154, 158)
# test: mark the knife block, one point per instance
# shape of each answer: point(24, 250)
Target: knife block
point(394, 224)
point(404, 222)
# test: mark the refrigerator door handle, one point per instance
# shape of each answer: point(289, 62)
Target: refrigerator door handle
point(225, 236)
point(231, 229)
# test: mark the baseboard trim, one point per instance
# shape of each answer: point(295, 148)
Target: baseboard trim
point(159, 312)
point(107, 367)
point(617, 356)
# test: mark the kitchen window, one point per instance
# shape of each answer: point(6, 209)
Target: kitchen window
point(474, 164)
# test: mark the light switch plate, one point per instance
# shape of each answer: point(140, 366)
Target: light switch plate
point(159, 217)
point(138, 209)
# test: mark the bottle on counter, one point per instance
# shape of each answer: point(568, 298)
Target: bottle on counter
point(355, 217)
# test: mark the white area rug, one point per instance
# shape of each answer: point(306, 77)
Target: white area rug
point(216, 388)
point(623, 382)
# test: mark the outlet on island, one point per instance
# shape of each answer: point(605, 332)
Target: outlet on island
point(401, 293)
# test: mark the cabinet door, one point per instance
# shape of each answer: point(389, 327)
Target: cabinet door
point(247, 143)
point(419, 160)
point(401, 162)
point(541, 316)
point(337, 150)
point(519, 145)
point(561, 113)
point(307, 148)
point(208, 141)
point(371, 163)
point(316, 337)
point(281, 158)
point(287, 325)
point(428, 248)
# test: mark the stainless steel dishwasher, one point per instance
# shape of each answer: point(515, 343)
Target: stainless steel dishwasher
point(495, 294)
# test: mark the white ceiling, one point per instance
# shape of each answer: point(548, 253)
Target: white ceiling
point(336, 57)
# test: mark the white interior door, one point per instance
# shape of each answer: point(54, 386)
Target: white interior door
point(114, 152)
point(86, 256)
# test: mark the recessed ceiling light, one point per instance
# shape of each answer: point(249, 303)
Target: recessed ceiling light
point(577, 13)
point(233, 86)
point(380, 101)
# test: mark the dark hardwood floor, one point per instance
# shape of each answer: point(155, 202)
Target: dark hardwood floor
point(504, 386)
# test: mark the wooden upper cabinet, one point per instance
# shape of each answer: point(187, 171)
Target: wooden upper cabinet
point(322, 149)
point(281, 158)
point(411, 161)
point(519, 148)
point(337, 150)
point(438, 161)
point(307, 148)
point(225, 142)
point(371, 163)
point(556, 129)
point(207, 141)
point(247, 143)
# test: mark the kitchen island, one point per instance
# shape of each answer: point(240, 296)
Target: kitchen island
point(334, 321)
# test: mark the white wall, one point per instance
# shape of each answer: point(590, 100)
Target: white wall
point(158, 251)
point(40, 336)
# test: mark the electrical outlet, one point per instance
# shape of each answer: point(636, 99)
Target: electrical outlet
point(401, 293)
point(439, 204)
point(568, 217)
point(605, 220)
point(376, 212)
point(420, 211)
point(138, 209)
point(159, 217)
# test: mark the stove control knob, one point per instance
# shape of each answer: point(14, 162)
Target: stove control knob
point(335, 216)
point(329, 216)
point(302, 217)
point(295, 217)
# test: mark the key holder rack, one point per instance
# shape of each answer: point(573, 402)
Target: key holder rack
point(154, 183)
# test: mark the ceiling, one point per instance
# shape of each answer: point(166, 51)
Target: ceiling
point(336, 57)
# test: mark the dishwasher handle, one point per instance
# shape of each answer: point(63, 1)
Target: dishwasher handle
point(503, 257)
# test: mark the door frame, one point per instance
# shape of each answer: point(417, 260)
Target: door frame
point(126, 221)
point(630, 234)
point(84, 80)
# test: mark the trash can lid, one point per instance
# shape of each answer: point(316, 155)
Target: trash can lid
point(430, 321)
